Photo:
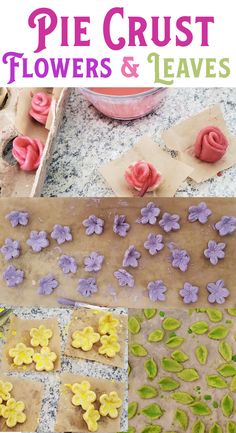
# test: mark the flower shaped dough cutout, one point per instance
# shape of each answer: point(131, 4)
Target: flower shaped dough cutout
point(218, 292)
point(156, 291)
point(85, 339)
point(10, 249)
point(189, 293)
point(226, 225)
point(108, 324)
point(21, 354)
point(149, 214)
point(61, 234)
point(124, 278)
point(5, 389)
point(13, 276)
point(169, 222)
point(120, 226)
point(154, 244)
point(87, 286)
point(109, 404)
point(180, 259)
point(47, 285)
point(110, 346)
point(83, 396)
point(94, 225)
point(18, 218)
point(45, 359)
point(199, 213)
point(68, 264)
point(38, 241)
point(214, 252)
point(93, 263)
point(91, 417)
point(131, 257)
point(13, 412)
point(40, 336)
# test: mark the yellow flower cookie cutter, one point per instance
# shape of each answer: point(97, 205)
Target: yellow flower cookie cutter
point(83, 396)
point(45, 359)
point(108, 324)
point(110, 346)
point(40, 336)
point(85, 339)
point(109, 404)
point(21, 354)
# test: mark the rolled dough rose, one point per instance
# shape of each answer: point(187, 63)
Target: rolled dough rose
point(27, 152)
point(40, 106)
point(143, 176)
point(211, 144)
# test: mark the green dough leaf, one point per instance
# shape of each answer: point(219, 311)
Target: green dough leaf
point(149, 313)
point(188, 375)
point(227, 405)
point(147, 391)
point(201, 353)
point(200, 409)
point(152, 411)
point(227, 370)
point(151, 369)
point(132, 409)
point(174, 342)
point(179, 356)
point(232, 386)
point(232, 311)
point(214, 314)
point(168, 384)
point(169, 364)
point(171, 324)
point(218, 333)
point(138, 350)
point(198, 427)
point(216, 428)
point(182, 397)
point(216, 381)
point(151, 429)
point(156, 336)
point(231, 427)
point(134, 325)
point(199, 327)
point(181, 418)
point(225, 350)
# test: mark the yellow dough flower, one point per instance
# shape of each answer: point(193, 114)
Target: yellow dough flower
point(45, 359)
point(109, 404)
point(21, 354)
point(13, 412)
point(83, 397)
point(40, 336)
point(108, 324)
point(91, 417)
point(5, 389)
point(85, 339)
point(110, 346)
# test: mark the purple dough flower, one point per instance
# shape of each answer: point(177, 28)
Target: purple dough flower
point(68, 264)
point(154, 243)
point(13, 276)
point(120, 226)
point(157, 290)
point(199, 213)
point(214, 252)
point(37, 241)
point(11, 249)
point(124, 278)
point(149, 214)
point(87, 286)
point(61, 234)
point(226, 225)
point(169, 222)
point(131, 257)
point(18, 218)
point(47, 284)
point(94, 225)
point(189, 293)
point(180, 259)
point(93, 263)
point(218, 292)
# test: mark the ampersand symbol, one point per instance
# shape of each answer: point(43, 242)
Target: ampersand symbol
point(128, 68)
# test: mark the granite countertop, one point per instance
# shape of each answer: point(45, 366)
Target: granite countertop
point(87, 139)
point(51, 381)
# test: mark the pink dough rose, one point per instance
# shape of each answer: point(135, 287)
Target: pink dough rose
point(211, 144)
point(40, 106)
point(142, 176)
point(28, 152)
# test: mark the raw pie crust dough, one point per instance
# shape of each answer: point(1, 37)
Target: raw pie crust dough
point(69, 417)
point(19, 333)
point(46, 212)
point(158, 350)
point(88, 317)
point(31, 393)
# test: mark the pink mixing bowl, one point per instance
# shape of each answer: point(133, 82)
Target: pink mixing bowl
point(126, 107)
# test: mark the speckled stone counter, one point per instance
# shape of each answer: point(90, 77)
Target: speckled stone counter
point(51, 381)
point(87, 139)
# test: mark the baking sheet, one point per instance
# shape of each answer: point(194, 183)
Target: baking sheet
point(69, 417)
point(46, 212)
point(158, 350)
